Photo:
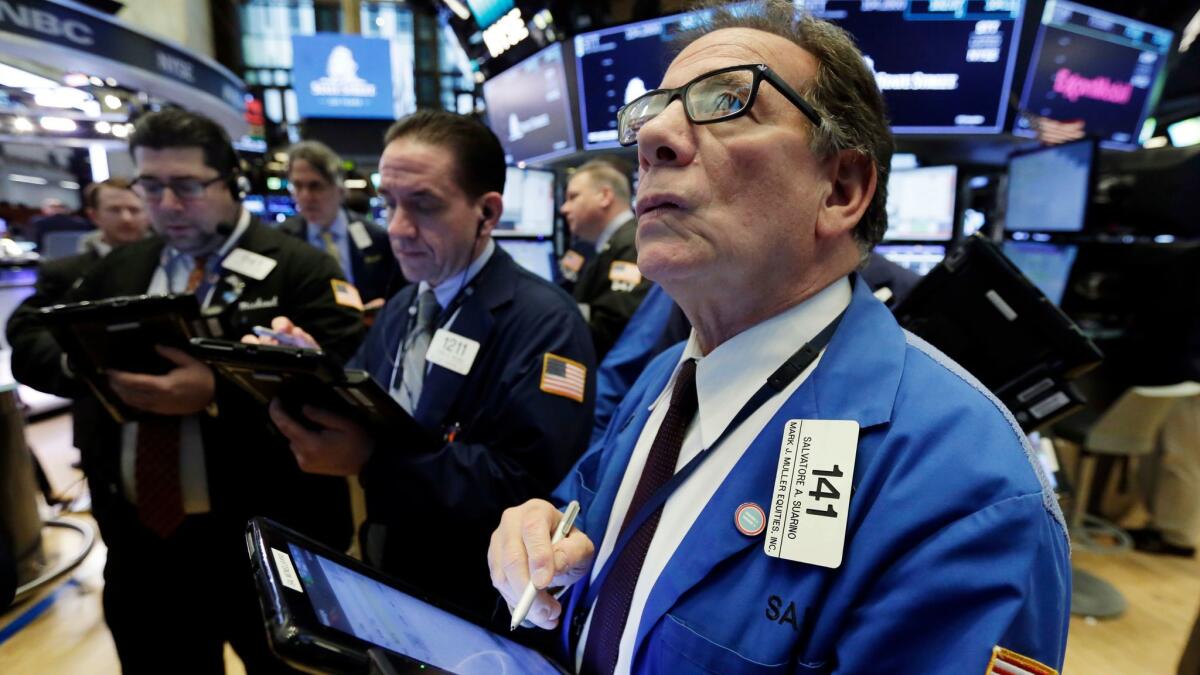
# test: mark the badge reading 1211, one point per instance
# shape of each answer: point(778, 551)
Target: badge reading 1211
point(811, 498)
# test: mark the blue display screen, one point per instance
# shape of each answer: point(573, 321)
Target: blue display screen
point(616, 65)
point(343, 76)
point(537, 256)
point(529, 108)
point(916, 258)
point(1048, 266)
point(1096, 67)
point(488, 12)
point(528, 204)
point(942, 67)
point(920, 203)
point(1048, 189)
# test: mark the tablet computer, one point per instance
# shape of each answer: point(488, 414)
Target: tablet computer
point(120, 334)
point(325, 610)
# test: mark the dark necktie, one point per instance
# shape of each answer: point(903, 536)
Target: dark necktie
point(612, 606)
point(413, 377)
point(156, 468)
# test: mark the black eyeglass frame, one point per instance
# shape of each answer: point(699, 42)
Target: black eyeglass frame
point(203, 183)
point(761, 72)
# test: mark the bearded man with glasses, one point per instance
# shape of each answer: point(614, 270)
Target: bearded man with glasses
point(803, 486)
point(172, 492)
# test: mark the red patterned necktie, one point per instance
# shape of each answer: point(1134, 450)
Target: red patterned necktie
point(612, 607)
point(156, 469)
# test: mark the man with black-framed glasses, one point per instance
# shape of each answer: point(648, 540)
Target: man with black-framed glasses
point(172, 492)
point(802, 486)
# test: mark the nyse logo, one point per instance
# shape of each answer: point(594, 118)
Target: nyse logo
point(173, 65)
point(47, 24)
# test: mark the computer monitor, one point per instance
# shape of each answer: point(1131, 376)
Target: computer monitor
point(279, 208)
point(255, 204)
point(528, 204)
point(529, 108)
point(916, 258)
point(920, 204)
point(1093, 66)
point(1047, 265)
point(943, 68)
point(535, 255)
point(1049, 188)
point(616, 65)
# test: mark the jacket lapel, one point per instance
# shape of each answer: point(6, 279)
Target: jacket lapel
point(868, 345)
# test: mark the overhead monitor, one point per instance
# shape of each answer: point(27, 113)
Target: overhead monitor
point(255, 204)
point(343, 76)
point(529, 108)
point(1184, 132)
point(528, 204)
point(916, 258)
point(920, 204)
point(616, 65)
point(1049, 188)
point(943, 67)
point(1048, 266)
point(1093, 66)
point(535, 255)
point(488, 12)
point(279, 208)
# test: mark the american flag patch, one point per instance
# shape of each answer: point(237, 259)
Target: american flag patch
point(344, 293)
point(1007, 662)
point(563, 377)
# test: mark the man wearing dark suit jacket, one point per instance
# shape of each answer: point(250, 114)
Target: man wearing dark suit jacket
point(360, 246)
point(172, 492)
point(610, 287)
point(494, 364)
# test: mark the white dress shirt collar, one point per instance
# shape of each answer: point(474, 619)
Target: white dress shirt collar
point(611, 228)
point(727, 377)
point(449, 288)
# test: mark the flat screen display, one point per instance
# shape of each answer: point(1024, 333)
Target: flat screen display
point(616, 65)
point(920, 204)
point(528, 204)
point(537, 256)
point(916, 258)
point(377, 613)
point(1049, 188)
point(255, 204)
point(1093, 66)
point(1048, 266)
point(529, 108)
point(943, 67)
point(343, 76)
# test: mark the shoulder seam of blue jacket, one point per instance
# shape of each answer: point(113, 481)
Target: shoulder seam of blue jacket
point(1048, 498)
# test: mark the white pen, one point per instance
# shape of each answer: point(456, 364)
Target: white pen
point(564, 528)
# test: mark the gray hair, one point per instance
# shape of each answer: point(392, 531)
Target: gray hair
point(320, 157)
point(604, 174)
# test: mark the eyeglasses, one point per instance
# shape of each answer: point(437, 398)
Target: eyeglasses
point(717, 96)
point(184, 188)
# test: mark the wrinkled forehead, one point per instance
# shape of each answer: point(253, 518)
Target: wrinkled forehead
point(738, 46)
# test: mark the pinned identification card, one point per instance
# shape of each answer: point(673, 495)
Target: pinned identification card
point(344, 293)
point(358, 232)
point(625, 272)
point(248, 263)
point(452, 351)
point(811, 500)
point(1007, 662)
point(571, 261)
point(287, 573)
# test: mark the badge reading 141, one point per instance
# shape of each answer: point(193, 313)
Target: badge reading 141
point(811, 499)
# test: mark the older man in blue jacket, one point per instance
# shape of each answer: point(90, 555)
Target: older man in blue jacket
point(803, 486)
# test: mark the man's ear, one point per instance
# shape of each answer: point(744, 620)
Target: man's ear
point(491, 206)
point(852, 179)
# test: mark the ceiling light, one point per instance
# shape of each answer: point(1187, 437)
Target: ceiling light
point(112, 102)
point(20, 79)
point(120, 130)
point(110, 82)
point(22, 178)
point(57, 124)
point(22, 124)
point(75, 80)
point(96, 82)
point(103, 127)
point(355, 184)
point(60, 97)
point(68, 185)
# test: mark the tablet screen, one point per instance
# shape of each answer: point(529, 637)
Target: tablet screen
point(370, 610)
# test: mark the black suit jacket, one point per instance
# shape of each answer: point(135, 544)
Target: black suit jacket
point(376, 273)
point(250, 469)
point(499, 439)
point(610, 302)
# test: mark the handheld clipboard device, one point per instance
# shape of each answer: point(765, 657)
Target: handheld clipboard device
point(325, 610)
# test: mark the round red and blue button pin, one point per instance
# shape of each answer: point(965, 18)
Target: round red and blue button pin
point(750, 519)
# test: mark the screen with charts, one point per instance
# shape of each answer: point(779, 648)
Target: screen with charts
point(536, 255)
point(920, 204)
point(916, 258)
point(279, 208)
point(1048, 266)
point(529, 108)
point(528, 204)
point(1049, 188)
point(943, 67)
point(1093, 66)
point(616, 65)
point(377, 613)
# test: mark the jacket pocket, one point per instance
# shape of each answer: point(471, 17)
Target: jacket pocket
point(676, 648)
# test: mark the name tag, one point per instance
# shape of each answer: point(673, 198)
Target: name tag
point(452, 351)
point(248, 263)
point(358, 232)
point(812, 492)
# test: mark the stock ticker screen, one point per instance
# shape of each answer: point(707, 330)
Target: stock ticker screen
point(943, 66)
point(1093, 66)
point(529, 108)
